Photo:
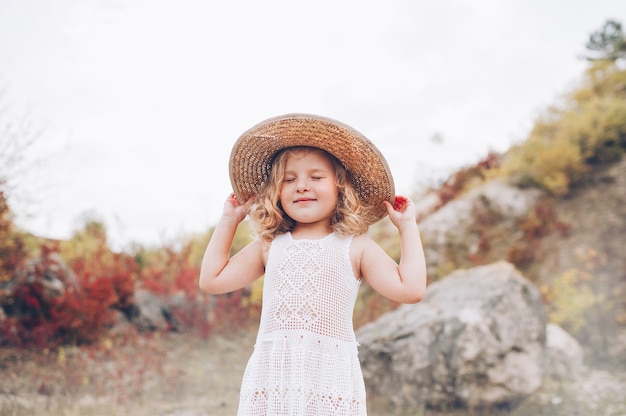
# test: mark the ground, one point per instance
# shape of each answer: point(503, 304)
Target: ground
point(184, 375)
point(169, 374)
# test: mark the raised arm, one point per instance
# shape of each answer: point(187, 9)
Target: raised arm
point(219, 272)
point(404, 282)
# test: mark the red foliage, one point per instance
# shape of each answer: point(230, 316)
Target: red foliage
point(457, 182)
point(154, 281)
point(478, 257)
point(230, 312)
point(101, 283)
point(171, 273)
point(82, 316)
point(541, 222)
point(186, 280)
point(81, 313)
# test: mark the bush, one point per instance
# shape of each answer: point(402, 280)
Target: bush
point(590, 128)
point(571, 297)
point(12, 246)
point(80, 314)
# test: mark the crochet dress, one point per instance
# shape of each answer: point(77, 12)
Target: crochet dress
point(305, 359)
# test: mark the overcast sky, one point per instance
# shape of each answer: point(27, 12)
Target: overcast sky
point(139, 101)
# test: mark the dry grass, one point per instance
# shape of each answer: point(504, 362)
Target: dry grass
point(182, 375)
point(171, 374)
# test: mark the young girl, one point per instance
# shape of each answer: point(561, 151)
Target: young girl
point(311, 186)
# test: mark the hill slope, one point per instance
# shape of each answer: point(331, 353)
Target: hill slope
point(571, 246)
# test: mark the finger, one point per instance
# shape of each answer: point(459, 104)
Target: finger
point(248, 204)
point(389, 207)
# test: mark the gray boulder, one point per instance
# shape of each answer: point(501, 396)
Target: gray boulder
point(451, 234)
point(152, 312)
point(564, 354)
point(476, 340)
point(149, 312)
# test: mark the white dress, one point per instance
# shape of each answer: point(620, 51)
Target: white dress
point(305, 360)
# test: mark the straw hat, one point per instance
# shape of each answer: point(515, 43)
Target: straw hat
point(253, 153)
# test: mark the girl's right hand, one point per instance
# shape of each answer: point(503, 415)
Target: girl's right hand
point(234, 210)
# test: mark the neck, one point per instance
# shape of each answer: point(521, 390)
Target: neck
point(311, 231)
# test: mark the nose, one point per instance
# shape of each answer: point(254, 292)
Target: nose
point(302, 185)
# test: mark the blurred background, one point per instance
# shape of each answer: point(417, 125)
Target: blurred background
point(135, 104)
point(116, 124)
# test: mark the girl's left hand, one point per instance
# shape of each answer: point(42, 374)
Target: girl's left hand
point(402, 210)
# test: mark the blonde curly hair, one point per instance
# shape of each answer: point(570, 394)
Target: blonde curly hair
point(269, 218)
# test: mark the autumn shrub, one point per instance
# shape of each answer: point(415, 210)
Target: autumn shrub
point(539, 222)
point(588, 128)
point(12, 257)
point(12, 246)
point(570, 297)
point(575, 302)
point(95, 282)
point(101, 284)
point(102, 274)
point(101, 288)
point(463, 178)
point(169, 271)
point(80, 314)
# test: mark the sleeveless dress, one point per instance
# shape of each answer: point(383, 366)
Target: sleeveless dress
point(305, 360)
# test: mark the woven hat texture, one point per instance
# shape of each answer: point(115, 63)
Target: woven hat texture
point(252, 156)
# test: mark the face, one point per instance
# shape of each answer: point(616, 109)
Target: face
point(309, 193)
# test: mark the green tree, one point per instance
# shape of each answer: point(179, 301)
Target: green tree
point(608, 43)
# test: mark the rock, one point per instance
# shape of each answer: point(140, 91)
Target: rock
point(34, 286)
point(453, 232)
point(191, 313)
point(564, 354)
point(149, 312)
point(476, 340)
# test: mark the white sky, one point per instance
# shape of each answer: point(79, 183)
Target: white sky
point(140, 101)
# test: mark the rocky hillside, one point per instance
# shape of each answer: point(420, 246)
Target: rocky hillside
point(571, 247)
point(553, 206)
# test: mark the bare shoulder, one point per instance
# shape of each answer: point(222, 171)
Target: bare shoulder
point(361, 246)
point(261, 248)
point(361, 242)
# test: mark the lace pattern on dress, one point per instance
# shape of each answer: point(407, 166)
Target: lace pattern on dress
point(305, 361)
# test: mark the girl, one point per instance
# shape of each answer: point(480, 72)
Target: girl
point(311, 186)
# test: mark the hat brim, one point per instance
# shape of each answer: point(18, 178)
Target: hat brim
point(253, 153)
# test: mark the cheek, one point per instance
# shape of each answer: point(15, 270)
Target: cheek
point(284, 192)
point(333, 194)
